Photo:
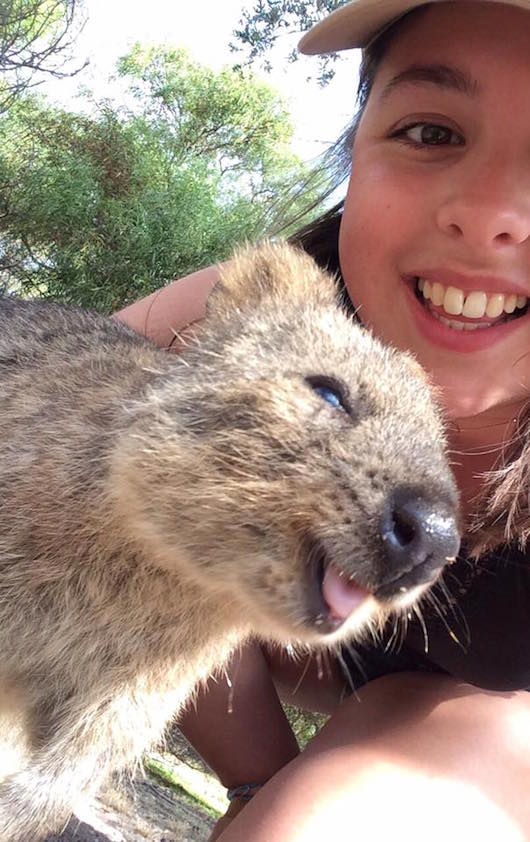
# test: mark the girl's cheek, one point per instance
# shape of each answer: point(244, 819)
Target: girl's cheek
point(376, 219)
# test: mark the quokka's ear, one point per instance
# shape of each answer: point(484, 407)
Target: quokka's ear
point(272, 271)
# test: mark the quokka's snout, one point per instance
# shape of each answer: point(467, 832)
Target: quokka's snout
point(420, 536)
point(417, 538)
point(286, 477)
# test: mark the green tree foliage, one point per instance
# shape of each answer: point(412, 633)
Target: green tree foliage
point(262, 24)
point(101, 209)
point(35, 38)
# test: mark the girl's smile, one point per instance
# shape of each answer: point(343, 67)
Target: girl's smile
point(466, 316)
point(435, 238)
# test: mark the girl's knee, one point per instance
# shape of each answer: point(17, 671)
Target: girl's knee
point(414, 757)
point(430, 716)
point(417, 752)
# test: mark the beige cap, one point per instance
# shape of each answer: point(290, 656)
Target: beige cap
point(358, 22)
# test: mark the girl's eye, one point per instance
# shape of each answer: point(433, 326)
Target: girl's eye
point(330, 391)
point(428, 134)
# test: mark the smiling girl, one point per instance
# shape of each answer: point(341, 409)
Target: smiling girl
point(434, 254)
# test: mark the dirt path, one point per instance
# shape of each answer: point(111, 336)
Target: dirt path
point(145, 810)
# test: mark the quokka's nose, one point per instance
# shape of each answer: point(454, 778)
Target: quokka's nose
point(420, 536)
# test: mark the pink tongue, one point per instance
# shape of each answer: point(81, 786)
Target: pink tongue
point(341, 595)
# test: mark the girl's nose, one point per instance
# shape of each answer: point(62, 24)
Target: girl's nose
point(487, 215)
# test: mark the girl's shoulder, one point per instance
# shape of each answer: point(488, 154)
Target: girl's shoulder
point(163, 314)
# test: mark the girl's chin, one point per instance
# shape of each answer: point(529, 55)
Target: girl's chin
point(465, 397)
point(470, 380)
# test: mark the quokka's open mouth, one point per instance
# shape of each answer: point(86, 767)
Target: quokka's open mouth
point(334, 594)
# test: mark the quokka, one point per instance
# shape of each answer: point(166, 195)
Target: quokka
point(284, 478)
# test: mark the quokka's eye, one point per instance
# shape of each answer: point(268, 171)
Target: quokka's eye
point(330, 390)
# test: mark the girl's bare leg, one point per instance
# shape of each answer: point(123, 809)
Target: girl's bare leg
point(241, 730)
point(418, 757)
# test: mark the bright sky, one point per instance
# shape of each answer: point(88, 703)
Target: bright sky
point(204, 27)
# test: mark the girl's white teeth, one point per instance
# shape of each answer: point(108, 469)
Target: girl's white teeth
point(474, 305)
point(459, 325)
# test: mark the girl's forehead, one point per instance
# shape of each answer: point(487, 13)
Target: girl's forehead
point(475, 35)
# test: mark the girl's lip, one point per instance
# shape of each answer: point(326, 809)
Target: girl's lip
point(455, 340)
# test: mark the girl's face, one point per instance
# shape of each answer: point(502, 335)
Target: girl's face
point(439, 199)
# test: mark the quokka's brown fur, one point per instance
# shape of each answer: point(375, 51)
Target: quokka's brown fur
point(154, 510)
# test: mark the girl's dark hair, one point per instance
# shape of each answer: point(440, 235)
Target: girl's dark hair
point(503, 509)
point(320, 236)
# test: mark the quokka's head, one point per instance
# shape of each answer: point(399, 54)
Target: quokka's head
point(290, 463)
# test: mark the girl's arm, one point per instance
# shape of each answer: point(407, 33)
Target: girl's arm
point(163, 314)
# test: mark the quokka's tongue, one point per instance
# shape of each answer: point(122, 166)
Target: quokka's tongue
point(341, 595)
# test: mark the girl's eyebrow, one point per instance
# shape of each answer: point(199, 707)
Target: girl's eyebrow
point(442, 75)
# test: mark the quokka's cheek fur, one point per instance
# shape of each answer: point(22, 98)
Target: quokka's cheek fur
point(122, 538)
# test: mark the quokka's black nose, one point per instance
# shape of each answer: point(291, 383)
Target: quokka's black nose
point(420, 536)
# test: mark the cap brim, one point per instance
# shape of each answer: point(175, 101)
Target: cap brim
point(353, 25)
point(357, 23)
